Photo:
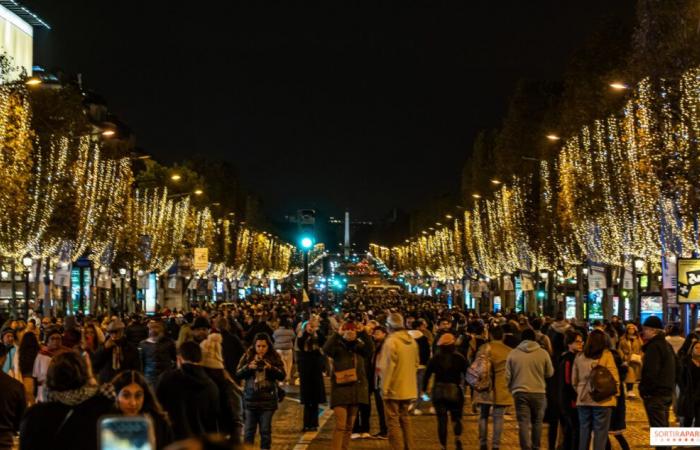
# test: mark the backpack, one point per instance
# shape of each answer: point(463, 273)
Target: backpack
point(602, 385)
point(479, 372)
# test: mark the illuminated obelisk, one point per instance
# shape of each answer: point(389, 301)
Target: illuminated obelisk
point(347, 234)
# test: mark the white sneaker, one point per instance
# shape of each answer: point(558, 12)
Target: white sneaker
point(417, 412)
point(366, 436)
point(355, 436)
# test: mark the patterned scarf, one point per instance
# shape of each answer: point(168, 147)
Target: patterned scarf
point(78, 396)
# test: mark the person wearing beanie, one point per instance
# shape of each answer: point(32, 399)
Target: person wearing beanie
point(117, 354)
point(200, 329)
point(658, 378)
point(397, 366)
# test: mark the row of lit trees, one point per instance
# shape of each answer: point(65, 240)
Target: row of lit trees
point(621, 188)
point(63, 197)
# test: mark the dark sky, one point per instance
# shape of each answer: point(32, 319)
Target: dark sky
point(365, 107)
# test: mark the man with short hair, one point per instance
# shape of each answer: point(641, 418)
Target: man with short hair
point(658, 373)
point(397, 366)
point(157, 352)
point(189, 396)
point(12, 404)
point(527, 367)
point(200, 329)
point(117, 355)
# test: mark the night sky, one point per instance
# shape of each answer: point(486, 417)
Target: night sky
point(369, 108)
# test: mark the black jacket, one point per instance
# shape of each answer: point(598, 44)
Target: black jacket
point(658, 368)
point(566, 398)
point(258, 327)
point(136, 332)
point(311, 363)
point(262, 395)
point(232, 350)
point(157, 358)
point(40, 426)
point(191, 399)
point(102, 361)
point(12, 405)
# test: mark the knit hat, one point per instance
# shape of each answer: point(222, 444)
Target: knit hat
point(653, 322)
point(201, 322)
point(6, 331)
point(212, 357)
point(446, 339)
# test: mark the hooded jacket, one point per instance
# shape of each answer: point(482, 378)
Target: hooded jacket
point(527, 366)
point(557, 336)
point(397, 365)
point(423, 346)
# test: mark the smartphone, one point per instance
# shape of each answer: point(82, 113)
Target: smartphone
point(126, 433)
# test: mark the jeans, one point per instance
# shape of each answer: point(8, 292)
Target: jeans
point(529, 410)
point(311, 415)
point(399, 424)
point(380, 411)
point(288, 360)
point(569, 421)
point(657, 412)
point(594, 419)
point(498, 411)
point(455, 410)
point(344, 418)
point(420, 373)
point(262, 418)
point(362, 419)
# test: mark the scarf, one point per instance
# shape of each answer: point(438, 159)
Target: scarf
point(77, 396)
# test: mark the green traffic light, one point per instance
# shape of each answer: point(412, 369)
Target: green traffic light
point(306, 242)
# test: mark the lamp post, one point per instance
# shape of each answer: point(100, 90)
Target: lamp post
point(638, 267)
point(27, 263)
point(306, 244)
point(122, 274)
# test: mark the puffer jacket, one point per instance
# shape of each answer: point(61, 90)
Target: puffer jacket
point(260, 391)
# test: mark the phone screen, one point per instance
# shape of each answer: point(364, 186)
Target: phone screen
point(122, 433)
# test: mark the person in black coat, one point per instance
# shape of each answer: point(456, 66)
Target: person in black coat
point(689, 402)
point(158, 353)
point(261, 368)
point(231, 346)
point(311, 363)
point(12, 404)
point(68, 420)
point(189, 396)
point(116, 355)
point(567, 395)
point(136, 331)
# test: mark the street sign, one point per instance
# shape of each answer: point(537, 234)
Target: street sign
point(688, 280)
point(201, 258)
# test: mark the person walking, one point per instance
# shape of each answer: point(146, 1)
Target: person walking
point(379, 335)
point(261, 369)
point(658, 377)
point(116, 355)
point(311, 363)
point(527, 366)
point(630, 349)
point(284, 338)
point(397, 366)
point(349, 386)
point(360, 429)
point(594, 415)
point(157, 352)
point(448, 366)
point(28, 350)
point(494, 401)
point(12, 403)
point(618, 419)
point(567, 394)
point(689, 403)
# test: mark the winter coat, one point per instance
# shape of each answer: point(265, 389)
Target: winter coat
point(658, 368)
point(628, 347)
point(498, 394)
point(689, 402)
point(566, 390)
point(557, 336)
point(230, 401)
point(527, 366)
point(618, 418)
point(581, 374)
point(103, 364)
point(157, 358)
point(232, 350)
point(397, 365)
point(284, 339)
point(423, 346)
point(311, 363)
point(261, 394)
point(346, 355)
point(191, 399)
point(44, 426)
point(135, 333)
point(448, 366)
point(12, 405)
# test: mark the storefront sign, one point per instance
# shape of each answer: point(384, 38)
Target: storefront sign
point(597, 279)
point(688, 280)
point(201, 258)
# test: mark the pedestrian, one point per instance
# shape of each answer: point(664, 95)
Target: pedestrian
point(68, 418)
point(593, 415)
point(397, 365)
point(136, 331)
point(12, 403)
point(134, 396)
point(379, 335)
point(448, 367)
point(311, 363)
point(527, 367)
point(231, 345)
point(566, 398)
point(630, 349)
point(284, 346)
point(349, 386)
point(28, 350)
point(423, 358)
point(11, 365)
point(658, 376)
point(200, 329)
point(618, 419)
point(40, 370)
point(189, 396)
point(557, 337)
point(360, 429)
point(494, 401)
point(261, 369)
point(689, 403)
point(117, 354)
point(157, 352)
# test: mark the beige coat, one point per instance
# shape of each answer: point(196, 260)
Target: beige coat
point(397, 365)
point(626, 348)
point(581, 373)
point(499, 393)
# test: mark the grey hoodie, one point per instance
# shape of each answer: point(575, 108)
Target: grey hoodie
point(526, 368)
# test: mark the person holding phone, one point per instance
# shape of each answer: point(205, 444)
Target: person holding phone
point(261, 368)
point(311, 363)
point(134, 397)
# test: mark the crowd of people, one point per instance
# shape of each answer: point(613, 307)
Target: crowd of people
point(223, 371)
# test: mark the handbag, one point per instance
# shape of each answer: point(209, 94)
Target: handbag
point(447, 393)
point(636, 358)
point(347, 376)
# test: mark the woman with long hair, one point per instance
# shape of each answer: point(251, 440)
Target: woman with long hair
point(134, 397)
point(28, 349)
point(630, 349)
point(260, 368)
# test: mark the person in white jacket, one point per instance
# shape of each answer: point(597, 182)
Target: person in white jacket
point(397, 365)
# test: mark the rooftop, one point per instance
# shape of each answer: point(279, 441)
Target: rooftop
point(24, 14)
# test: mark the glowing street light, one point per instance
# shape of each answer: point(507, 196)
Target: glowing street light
point(176, 177)
point(306, 243)
point(495, 181)
point(477, 196)
point(448, 216)
point(619, 86)
point(198, 192)
point(553, 137)
point(108, 133)
point(33, 81)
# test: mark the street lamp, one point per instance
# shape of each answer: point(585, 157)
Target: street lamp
point(477, 196)
point(495, 181)
point(175, 177)
point(306, 244)
point(27, 263)
point(122, 274)
point(619, 86)
point(553, 137)
point(33, 81)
